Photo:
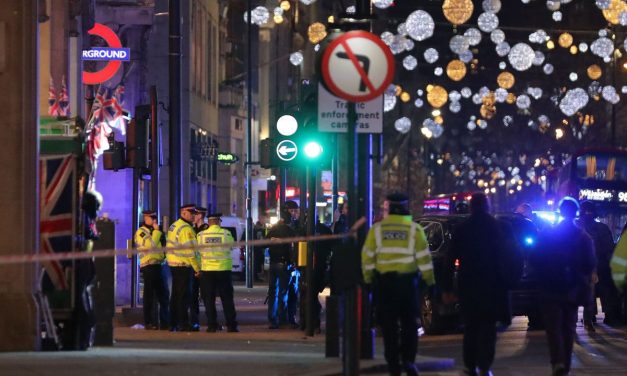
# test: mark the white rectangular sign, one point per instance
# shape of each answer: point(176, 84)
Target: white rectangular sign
point(333, 112)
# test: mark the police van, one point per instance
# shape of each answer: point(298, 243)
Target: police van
point(237, 227)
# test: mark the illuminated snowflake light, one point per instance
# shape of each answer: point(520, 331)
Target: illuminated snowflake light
point(409, 44)
point(609, 94)
point(497, 36)
point(538, 58)
point(502, 65)
point(471, 125)
point(382, 4)
point(419, 103)
point(602, 47)
point(521, 56)
point(473, 35)
point(455, 107)
point(389, 102)
point(466, 92)
point(603, 4)
point(500, 95)
point(419, 25)
point(548, 69)
point(487, 22)
point(438, 71)
point(573, 101)
point(458, 44)
point(502, 49)
point(491, 6)
point(431, 55)
point(410, 63)
point(387, 37)
point(538, 36)
point(482, 124)
point(401, 29)
point(523, 102)
point(454, 96)
point(402, 125)
point(398, 44)
point(557, 16)
point(583, 47)
point(573, 76)
point(260, 16)
point(296, 58)
point(507, 120)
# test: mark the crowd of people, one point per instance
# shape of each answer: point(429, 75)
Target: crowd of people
point(575, 263)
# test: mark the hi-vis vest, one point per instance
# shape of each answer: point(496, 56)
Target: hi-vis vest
point(144, 239)
point(619, 263)
point(182, 233)
point(396, 244)
point(216, 258)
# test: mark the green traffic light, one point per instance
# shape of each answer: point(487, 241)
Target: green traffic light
point(313, 149)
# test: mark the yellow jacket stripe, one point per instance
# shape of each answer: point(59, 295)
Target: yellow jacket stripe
point(182, 233)
point(396, 244)
point(144, 239)
point(215, 258)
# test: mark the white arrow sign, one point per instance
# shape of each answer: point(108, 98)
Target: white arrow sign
point(286, 150)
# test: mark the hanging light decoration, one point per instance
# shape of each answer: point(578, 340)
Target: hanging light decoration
point(459, 44)
point(316, 32)
point(473, 35)
point(457, 12)
point(296, 58)
point(565, 40)
point(456, 70)
point(521, 56)
point(410, 63)
point(419, 25)
point(505, 80)
point(487, 22)
point(614, 10)
point(437, 96)
point(402, 125)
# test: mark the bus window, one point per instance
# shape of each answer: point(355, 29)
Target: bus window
point(602, 167)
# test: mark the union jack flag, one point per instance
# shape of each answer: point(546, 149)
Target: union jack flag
point(56, 227)
point(64, 100)
point(53, 104)
point(117, 105)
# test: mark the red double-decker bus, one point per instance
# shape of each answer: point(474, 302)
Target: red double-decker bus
point(445, 203)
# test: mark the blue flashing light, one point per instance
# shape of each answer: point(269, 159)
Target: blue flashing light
point(529, 240)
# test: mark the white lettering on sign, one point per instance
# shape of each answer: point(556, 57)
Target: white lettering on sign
point(622, 196)
point(596, 195)
point(106, 54)
point(333, 114)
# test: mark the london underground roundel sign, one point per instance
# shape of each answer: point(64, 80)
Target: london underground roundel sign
point(114, 54)
point(357, 66)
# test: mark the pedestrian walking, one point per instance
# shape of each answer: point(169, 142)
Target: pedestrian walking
point(479, 246)
point(259, 233)
point(603, 285)
point(564, 263)
point(295, 284)
point(149, 236)
point(279, 272)
point(394, 257)
point(215, 273)
point(183, 265)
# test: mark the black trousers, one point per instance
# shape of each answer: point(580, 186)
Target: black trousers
point(218, 283)
point(155, 293)
point(479, 340)
point(560, 319)
point(181, 293)
point(397, 302)
point(194, 309)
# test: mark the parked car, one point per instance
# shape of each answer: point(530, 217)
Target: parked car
point(438, 317)
point(237, 227)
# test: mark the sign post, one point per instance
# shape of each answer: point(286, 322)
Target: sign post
point(358, 67)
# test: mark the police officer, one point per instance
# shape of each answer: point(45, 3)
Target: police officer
point(183, 266)
point(194, 310)
point(279, 272)
point(395, 250)
point(215, 273)
point(148, 236)
point(619, 268)
point(604, 248)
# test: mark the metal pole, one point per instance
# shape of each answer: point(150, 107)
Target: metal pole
point(309, 272)
point(334, 167)
point(249, 149)
point(154, 152)
point(175, 76)
point(135, 225)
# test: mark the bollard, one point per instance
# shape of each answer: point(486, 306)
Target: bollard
point(332, 339)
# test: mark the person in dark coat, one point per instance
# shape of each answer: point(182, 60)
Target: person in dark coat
point(564, 262)
point(604, 249)
point(477, 243)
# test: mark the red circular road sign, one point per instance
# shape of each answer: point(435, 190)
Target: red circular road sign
point(357, 66)
point(109, 70)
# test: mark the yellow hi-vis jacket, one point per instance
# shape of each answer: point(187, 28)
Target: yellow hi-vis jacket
point(180, 234)
point(396, 244)
point(619, 263)
point(216, 258)
point(146, 239)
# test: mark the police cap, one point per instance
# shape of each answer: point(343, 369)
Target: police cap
point(189, 207)
point(201, 210)
point(150, 213)
point(214, 215)
point(397, 198)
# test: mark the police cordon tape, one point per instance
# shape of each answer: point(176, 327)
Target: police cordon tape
point(43, 257)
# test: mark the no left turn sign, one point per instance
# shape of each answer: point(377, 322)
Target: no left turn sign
point(357, 66)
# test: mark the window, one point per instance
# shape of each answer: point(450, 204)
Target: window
point(607, 167)
point(434, 233)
